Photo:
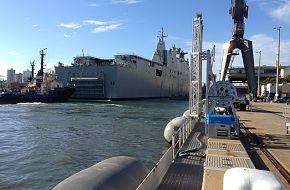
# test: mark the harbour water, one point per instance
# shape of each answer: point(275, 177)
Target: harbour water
point(42, 144)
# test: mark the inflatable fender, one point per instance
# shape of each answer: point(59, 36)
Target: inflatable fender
point(246, 178)
point(116, 173)
point(186, 114)
point(172, 127)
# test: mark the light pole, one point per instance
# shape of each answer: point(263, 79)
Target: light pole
point(278, 62)
point(259, 52)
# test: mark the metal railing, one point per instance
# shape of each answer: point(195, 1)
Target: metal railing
point(156, 175)
point(179, 137)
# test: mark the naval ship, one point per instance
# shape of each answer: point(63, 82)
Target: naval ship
point(129, 76)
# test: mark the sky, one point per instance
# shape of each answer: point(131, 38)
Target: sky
point(103, 28)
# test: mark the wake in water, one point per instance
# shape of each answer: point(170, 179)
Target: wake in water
point(32, 103)
point(114, 105)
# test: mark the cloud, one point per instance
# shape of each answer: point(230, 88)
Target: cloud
point(67, 35)
point(95, 22)
point(261, 42)
point(71, 26)
point(218, 54)
point(126, 1)
point(282, 12)
point(278, 9)
point(106, 28)
point(8, 53)
point(102, 26)
point(269, 46)
point(35, 25)
point(93, 5)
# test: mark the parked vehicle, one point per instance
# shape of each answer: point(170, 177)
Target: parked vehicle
point(285, 99)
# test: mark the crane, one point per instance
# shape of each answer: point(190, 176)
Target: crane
point(239, 11)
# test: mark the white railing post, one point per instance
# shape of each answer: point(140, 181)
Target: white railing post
point(173, 146)
point(186, 130)
point(188, 127)
point(179, 137)
point(183, 135)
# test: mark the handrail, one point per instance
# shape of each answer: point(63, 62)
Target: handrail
point(158, 172)
point(179, 137)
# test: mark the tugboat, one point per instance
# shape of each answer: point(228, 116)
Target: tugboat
point(43, 88)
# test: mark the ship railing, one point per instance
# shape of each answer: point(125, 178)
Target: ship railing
point(155, 176)
point(179, 137)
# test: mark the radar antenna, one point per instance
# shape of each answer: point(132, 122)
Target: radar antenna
point(161, 35)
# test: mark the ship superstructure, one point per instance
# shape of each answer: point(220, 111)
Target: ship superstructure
point(129, 76)
point(42, 88)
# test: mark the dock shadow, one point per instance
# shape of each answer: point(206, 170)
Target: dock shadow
point(251, 149)
point(243, 120)
point(272, 141)
point(266, 111)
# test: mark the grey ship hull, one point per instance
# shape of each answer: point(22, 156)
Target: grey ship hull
point(116, 82)
point(129, 76)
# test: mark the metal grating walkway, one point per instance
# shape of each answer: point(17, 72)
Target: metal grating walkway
point(186, 172)
point(225, 146)
point(227, 162)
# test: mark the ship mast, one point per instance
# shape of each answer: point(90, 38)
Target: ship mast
point(161, 49)
point(42, 54)
point(32, 69)
point(161, 36)
point(39, 76)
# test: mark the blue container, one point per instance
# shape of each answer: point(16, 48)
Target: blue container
point(220, 119)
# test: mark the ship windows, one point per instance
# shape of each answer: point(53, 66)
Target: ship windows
point(158, 73)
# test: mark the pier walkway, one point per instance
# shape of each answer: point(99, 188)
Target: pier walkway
point(267, 124)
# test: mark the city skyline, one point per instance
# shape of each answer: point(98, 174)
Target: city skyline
point(21, 77)
point(103, 28)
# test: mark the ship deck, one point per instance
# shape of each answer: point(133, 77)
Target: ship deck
point(186, 172)
point(263, 144)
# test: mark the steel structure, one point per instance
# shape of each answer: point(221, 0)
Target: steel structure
point(277, 62)
point(239, 11)
point(195, 92)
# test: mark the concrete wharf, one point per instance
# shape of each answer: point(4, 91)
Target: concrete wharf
point(265, 122)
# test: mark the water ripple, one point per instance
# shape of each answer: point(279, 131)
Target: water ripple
point(42, 144)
